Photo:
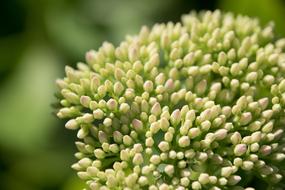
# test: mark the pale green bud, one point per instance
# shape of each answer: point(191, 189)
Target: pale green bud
point(184, 141)
point(124, 107)
point(98, 114)
point(204, 178)
point(169, 170)
point(196, 185)
point(148, 86)
point(99, 153)
point(138, 159)
point(72, 124)
point(163, 146)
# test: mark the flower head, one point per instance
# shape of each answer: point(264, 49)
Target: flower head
point(192, 105)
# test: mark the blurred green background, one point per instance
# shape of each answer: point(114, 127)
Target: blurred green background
point(37, 39)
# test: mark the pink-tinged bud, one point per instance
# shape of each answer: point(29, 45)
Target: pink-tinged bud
point(265, 150)
point(90, 57)
point(245, 118)
point(112, 104)
point(137, 125)
point(240, 149)
point(169, 85)
point(221, 134)
point(175, 117)
point(156, 109)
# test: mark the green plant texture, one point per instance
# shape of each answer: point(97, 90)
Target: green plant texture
point(197, 104)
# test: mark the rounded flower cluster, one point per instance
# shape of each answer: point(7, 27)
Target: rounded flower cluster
point(191, 105)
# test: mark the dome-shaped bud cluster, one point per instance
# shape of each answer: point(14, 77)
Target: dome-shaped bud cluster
point(192, 105)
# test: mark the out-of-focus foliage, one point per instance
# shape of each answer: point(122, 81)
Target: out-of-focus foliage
point(265, 10)
point(25, 104)
point(37, 38)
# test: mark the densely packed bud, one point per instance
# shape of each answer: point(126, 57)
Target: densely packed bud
point(192, 105)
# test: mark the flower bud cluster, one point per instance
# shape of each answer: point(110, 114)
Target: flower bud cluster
point(192, 105)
